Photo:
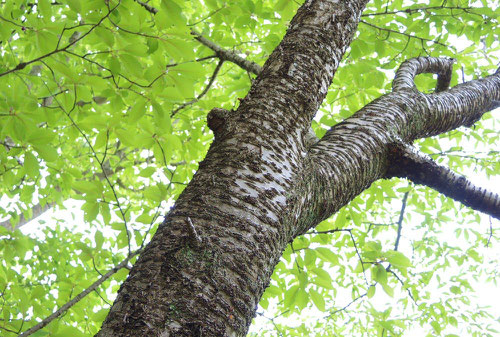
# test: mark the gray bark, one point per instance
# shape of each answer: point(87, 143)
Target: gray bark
point(262, 183)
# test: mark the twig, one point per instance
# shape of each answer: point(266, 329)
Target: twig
point(400, 221)
point(405, 34)
point(203, 93)
point(101, 164)
point(359, 256)
point(78, 297)
point(149, 8)
point(490, 234)
point(419, 9)
point(348, 305)
point(23, 65)
point(402, 284)
point(228, 55)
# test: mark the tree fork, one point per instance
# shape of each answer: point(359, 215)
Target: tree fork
point(261, 184)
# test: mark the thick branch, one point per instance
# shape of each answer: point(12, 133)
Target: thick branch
point(37, 210)
point(405, 76)
point(353, 154)
point(407, 162)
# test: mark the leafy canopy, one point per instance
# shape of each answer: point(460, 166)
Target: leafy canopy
point(103, 107)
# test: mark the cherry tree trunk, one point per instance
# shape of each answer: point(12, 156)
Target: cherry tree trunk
point(263, 182)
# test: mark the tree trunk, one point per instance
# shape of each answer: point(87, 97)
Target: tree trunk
point(262, 183)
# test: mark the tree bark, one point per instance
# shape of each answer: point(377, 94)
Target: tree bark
point(262, 183)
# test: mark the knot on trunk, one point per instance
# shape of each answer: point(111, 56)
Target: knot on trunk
point(216, 119)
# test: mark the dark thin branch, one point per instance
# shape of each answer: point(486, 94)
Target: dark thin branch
point(407, 162)
point(412, 11)
point(330, 231)
point(348, 304)
point(276, 327)
point(80, 296)
point(423, 39)
point(23, 65)
point(359, 256)
point(402, 284)
point(490, 234)
point(14, 23)
point(223, 54)
point(400, 221)
point(203, 93)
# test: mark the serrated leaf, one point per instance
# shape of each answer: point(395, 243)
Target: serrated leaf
point(398, 259)
point(371, 292)
point(31, 165)
point(380, 274)
point(327, 255)
point(388, 290)
point(290, 295)
point(317, 299)
point(47, 152)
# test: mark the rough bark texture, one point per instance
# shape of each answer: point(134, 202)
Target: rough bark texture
point(261, 184)
point(407, 162)
point(239, 199)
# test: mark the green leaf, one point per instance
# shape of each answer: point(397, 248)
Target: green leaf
point(91, 210)
point(132, 65)
point(317, 299)
point(31, 165)
point(47, 152)
point(99, 239)
point(173, 12)
point(327, 255)
point(371, 292)
point(379, 274)
point(75, 5)
point(436, 326)
point(388, 290)
point(398, 259)
point(324, 279)
point(114, 65)
point(147, 172)
point(66, 331)
point(290, 296)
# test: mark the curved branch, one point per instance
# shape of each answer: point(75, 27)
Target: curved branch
point(354, 153)
point(407, 162)
point(405, 75)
